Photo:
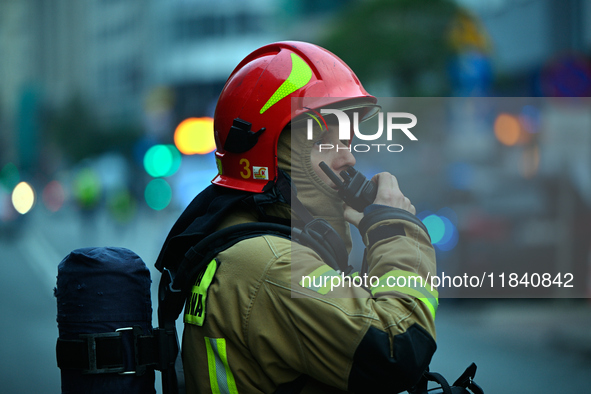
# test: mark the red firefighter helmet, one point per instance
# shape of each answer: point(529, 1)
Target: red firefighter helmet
point(256, 104)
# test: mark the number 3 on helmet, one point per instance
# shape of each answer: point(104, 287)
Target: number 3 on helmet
point(256, 104)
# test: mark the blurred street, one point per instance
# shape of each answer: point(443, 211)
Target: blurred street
point(519, 346)
point(108, 125)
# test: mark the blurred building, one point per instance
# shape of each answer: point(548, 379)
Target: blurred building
point(111, 54)
point(18, 55)
point(153, 63)
point(117, 56)
point(528, 35)
point(196, 44)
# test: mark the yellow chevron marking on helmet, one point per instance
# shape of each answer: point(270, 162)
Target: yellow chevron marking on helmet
point(299, 76)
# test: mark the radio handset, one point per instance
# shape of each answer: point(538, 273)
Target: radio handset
point(355, 190)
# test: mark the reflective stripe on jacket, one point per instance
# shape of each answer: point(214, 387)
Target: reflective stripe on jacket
point(266, 324)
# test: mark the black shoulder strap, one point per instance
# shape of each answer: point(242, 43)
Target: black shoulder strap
point(467, 380)
point(463, 385)
point(436, 377)
point(174, 286)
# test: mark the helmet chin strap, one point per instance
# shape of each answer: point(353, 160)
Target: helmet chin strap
point(316, 233)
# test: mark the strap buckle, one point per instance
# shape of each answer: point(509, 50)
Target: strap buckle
point(136, 331)
point(118, 367)
point(91, 340)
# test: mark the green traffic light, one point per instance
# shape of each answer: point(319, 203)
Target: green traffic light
point(158, 194)
point(162, 160)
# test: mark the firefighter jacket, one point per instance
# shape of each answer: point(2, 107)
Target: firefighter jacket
point(267, 314)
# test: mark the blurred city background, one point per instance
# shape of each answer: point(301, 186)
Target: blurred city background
point(105, 137)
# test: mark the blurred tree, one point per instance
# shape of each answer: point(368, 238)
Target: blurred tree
point(402, 41)
point(77, 132)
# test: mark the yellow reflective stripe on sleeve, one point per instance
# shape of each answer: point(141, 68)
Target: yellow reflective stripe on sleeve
point(411, 284)
point(221, 378)
point(299, 76)
point(319, 279)
point(196, 302)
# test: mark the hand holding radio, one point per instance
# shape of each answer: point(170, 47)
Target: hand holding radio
point(358, 192)
point(355, 190)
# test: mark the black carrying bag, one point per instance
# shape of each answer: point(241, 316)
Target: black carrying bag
point(463, 385)
point(104, 309)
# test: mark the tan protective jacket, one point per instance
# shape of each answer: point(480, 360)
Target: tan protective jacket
point(269, 316)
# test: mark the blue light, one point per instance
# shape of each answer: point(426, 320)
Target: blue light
point(442, 229)
point(436, 228)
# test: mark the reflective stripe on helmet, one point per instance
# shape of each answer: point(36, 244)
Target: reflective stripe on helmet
point(299, 76)
point(317, 121)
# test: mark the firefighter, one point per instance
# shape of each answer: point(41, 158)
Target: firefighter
point(267, 315)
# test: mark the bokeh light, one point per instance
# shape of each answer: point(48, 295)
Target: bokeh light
point(442, 228)
point(121, 205)
point(162, 160)
point(567, 75)
point(158, 194)
point(436, 228)
point(195, 136)
point(507, 129)
point(53, 196)
point(87, 188)
point(23, 198)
